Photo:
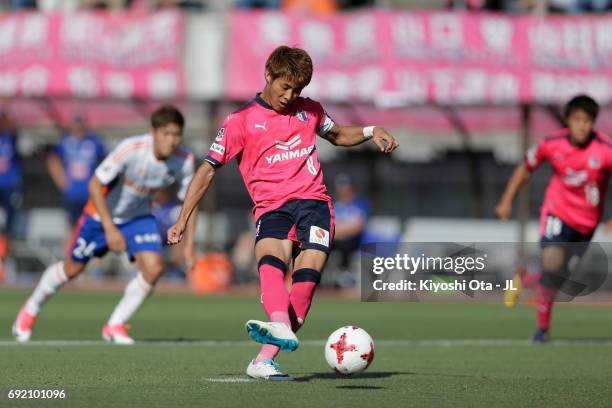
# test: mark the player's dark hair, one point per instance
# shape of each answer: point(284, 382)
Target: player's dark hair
point(165, 115)
point(584, 103)
point(293, 64)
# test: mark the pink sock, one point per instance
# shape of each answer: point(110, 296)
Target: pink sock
point(274, 294)
point(545, 305)
point(275, 298)
point(305, 282)
point(531, 280)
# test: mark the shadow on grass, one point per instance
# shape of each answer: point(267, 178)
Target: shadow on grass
point(361, 376)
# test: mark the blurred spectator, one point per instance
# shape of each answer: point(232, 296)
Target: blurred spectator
point(265, 4)
point(72, 163)
point(535, 6)
point(188, 5)
point(314, 7)
point(10, 183)
point(353, 4)
point(467, 4)
point(351, 216)
point(105, 4)
point(513, 6)
point(579, 6)
point(22, 4)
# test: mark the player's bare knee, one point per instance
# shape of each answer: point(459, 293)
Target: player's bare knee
point(73, 269)
point(152, 272)
point(311, 259)
point(277, 248)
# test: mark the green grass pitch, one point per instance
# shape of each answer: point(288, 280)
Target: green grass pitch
point(194, 350)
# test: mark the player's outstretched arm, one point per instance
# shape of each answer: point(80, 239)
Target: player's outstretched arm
point(354, 135)
point(517, 180)
point(114, 238)
point(195, 192)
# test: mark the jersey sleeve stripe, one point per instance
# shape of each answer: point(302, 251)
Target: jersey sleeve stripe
point(212, 161)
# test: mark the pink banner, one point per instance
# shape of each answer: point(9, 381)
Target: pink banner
point(92, 55)
point(397, 58)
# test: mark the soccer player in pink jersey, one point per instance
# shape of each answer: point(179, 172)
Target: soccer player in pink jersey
point(118, 217)
point(273, 138)
point(581, 159)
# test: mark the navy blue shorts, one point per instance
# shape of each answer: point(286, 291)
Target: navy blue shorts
point(556, 231)
point(141, 234)
point(308, 223)
point(574, 244)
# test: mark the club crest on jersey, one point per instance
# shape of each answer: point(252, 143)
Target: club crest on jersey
point(302, 116)
point(220, 135)
point(594, 163)
point(319, 236)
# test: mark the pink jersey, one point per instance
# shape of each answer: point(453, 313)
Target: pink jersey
point(276, 153)
point(576, 192)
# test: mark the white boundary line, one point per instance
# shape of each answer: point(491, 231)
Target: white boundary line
point(316, 343)
point(230, 380)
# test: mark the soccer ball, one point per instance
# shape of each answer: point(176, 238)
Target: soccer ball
point(349, 350)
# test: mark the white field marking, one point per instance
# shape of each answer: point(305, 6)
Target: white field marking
point(229, 380)
point(315, 343)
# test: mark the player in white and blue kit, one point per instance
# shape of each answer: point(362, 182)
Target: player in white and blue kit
point(118, 217)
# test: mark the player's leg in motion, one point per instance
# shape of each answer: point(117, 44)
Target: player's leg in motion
point(88, 240)
point(553, 264)
point(273, 255)
point(306, 277)
point(52, 279)
point(150, 268)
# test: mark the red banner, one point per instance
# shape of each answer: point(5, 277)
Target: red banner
point(92, 55)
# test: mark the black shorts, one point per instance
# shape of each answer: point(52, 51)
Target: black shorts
point(308, 223)
point(556, 231)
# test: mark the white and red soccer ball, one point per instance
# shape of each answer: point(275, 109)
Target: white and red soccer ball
point(349, 350)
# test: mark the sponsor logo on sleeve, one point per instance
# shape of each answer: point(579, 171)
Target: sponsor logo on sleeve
point(217, 148)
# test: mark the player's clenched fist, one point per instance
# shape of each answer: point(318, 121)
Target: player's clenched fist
point(175, 233)
point(114, 239)
point(503, 210)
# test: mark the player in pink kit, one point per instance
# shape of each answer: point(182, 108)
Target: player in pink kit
point(581, 159)
point(118, 217)
point(273, 139)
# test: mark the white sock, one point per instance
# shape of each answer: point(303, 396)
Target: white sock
point(52, 279)
point(135, 293)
